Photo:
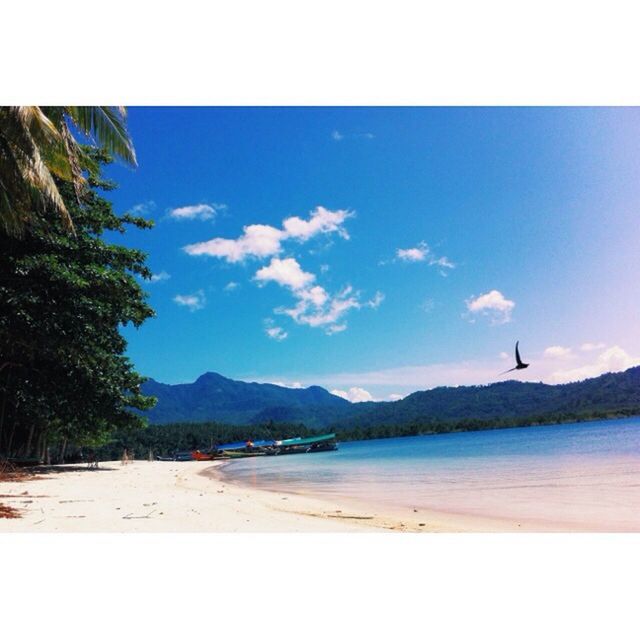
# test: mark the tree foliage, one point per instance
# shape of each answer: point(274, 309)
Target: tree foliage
point(166, 439)
point(37, 147)
point(63, 299)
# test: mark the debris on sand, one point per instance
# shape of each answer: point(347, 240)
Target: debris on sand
point(8, 512)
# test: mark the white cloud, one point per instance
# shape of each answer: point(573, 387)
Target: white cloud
point(325, 311)
point(592, 346)
point(335, 328)
point(493, 305)
point(196, 211)
point(159, 277)
point(557, 352)
point(422, 253)
point(428, 305)
point(192, 301)
point(612, 360)
point(257, 240)
point(338, 135)
point(231, 286)
point(288, 385)
point(285, 272)
point(443, 262)
point(354, 394)
point(324, 268)
point(276, 333)
point(320, 220)
point(415, 254)
point(314, 306)
point(314, 295)
point(376, 301)
point(143, 208)
point(504, 355)
point(264, 241)
point(396, 396)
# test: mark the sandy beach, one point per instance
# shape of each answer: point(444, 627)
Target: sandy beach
point(193, 497)
point(162, 497)
point(190, 497)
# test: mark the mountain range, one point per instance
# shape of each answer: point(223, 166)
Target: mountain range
point(212, 397)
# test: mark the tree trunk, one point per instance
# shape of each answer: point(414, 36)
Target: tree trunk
point(4, 408)
point(39, 446)
point(13, 431)
point(43, 452)
point(27, 449)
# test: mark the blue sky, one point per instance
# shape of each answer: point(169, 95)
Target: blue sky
point(376, 251)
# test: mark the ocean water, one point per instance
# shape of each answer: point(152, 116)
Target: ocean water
point(584, 475)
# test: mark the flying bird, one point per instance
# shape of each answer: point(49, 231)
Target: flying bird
point(519, 363)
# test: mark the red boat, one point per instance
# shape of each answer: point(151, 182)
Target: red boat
point(201, 455)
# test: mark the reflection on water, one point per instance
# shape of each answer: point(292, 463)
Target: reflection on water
point(573, 472)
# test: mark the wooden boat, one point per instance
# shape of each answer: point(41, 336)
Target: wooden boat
point(203, 455)
point(314, 444)
point(254, 448)
point(241, 454)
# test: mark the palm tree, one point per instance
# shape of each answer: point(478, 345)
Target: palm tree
point(37, 146)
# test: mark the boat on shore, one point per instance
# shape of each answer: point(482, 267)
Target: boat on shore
point(254, 448)
point(314, 444)
point(178, 456)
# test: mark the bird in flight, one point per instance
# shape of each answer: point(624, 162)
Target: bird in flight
point(519, 363)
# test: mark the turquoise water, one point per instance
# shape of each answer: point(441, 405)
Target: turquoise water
point(582, 474)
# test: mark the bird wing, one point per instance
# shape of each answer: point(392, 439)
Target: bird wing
point(507, 371)
point(518, 360)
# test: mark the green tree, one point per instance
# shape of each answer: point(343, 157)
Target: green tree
point(37, 146)
point(63, 299)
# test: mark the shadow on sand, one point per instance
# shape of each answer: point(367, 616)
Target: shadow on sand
point(67, 468)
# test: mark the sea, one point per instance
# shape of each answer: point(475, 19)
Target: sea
point(582, 476)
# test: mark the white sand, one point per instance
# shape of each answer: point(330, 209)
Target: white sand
point(191, 497)
point(158, 497)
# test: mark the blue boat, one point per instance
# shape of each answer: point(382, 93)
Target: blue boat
point(313, 444)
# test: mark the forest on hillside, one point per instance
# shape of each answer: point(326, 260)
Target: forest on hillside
point(165, 440)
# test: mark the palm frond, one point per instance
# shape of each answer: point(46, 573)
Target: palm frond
point(27, 184)
point(108, 126)
point(73, 153)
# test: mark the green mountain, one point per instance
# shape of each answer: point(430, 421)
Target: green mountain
point(510, 401)
point(213, 397)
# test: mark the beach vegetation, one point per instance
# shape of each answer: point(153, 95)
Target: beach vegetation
point(64, 376)
point(38, 149)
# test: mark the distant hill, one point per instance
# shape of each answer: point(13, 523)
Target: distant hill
point(213, 397)
point(610, 393)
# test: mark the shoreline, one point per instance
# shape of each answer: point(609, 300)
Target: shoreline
point(565, 500)
point(192, 497)
point(380, 516)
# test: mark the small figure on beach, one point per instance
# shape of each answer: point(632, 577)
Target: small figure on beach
point(92, 460)
point(519, 363)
